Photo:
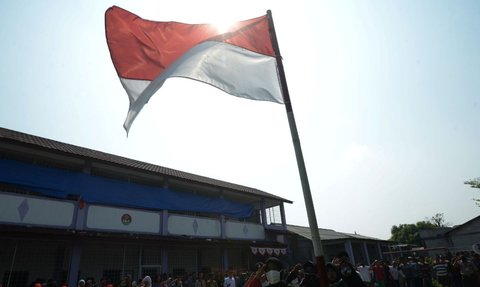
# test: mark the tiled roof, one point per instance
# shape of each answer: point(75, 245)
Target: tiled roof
point(327, 234)
point(12, 136)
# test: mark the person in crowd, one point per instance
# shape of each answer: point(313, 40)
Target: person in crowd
point(229, 281)
point(51, 283)
point(394, 274)
point(348, 272)
point(190, 280)
point(270, 271)
point(178, 282)
point(409, 269)
point(402, 282)
point(81, 283)
point(146, 282)
point(211, 282)
point(295, 277)
point(468, 270)
point(426, 272)
point(333, 276)
point(310, 273)
point(157, 280)
point(378, 270)
point(200, 282)
point(440, 270)
point(126, 281)
point(365, 273)
point(102, 282)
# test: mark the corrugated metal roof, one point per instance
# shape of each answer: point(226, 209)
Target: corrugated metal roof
point(60, 147)
point(327, 234)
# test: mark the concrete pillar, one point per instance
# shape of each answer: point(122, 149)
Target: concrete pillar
point(263, 213)
point(365, 251)
point(282, 214)
point(74, 263)
point(349, 249)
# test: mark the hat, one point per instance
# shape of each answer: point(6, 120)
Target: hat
point(273, 263)
point(81, 282)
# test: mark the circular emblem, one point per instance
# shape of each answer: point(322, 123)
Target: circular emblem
point(476, 248)
point(126, 219)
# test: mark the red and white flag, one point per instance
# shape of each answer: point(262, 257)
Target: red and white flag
point(145, 53)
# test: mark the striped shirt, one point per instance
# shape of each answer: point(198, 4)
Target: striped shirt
point(440, 269)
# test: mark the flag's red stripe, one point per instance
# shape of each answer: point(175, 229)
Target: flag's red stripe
point(143, 49)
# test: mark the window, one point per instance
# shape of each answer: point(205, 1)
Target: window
point(273, 215)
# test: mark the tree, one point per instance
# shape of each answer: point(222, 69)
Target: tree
point(409, 233)
point(474, 183)
point(438, 220)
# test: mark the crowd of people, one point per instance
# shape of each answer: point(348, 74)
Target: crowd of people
point(461, 270)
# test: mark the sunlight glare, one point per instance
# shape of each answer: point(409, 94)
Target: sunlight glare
point(222, 25)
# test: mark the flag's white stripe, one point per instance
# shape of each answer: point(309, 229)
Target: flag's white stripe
point(134, 88)
point(235, 70)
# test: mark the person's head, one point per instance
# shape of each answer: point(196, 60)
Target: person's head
point(231, 273)
point(81, 283)
point(343, 256)
point(310, 278)
point(51, 283)
point(272, 270)
point(309, 268)
point(332, 273)
point(147, 281)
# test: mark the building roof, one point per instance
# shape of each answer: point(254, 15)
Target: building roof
point(18, 138)
point(461, 226)
point(327, 234)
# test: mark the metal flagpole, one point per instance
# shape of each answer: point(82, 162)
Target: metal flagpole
point(312, 220)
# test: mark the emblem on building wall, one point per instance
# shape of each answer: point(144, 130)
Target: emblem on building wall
point(126, 219)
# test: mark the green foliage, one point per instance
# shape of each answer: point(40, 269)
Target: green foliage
point(409, 233)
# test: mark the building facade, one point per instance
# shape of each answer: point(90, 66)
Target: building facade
point(452, 239)
point(68, 212)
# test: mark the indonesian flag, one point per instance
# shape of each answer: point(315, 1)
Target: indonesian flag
point(145, 53)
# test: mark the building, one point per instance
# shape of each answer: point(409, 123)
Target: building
point(360, 248)
point(453, 239)
point(68, 212)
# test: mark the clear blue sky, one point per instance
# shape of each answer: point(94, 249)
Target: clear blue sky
point(386, 96)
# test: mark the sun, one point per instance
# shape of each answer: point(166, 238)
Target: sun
point(222, 25)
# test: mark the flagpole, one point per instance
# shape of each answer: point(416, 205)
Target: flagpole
point(312, 220)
